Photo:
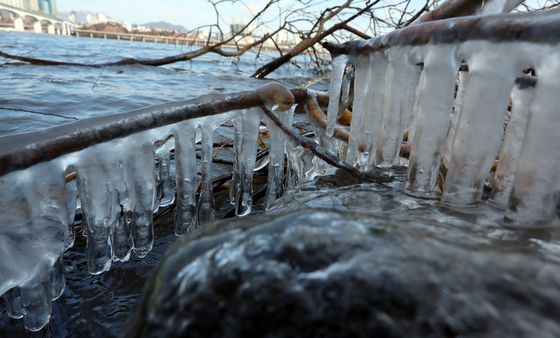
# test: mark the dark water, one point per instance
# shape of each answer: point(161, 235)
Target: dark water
point(78, 92)
point(98, 306)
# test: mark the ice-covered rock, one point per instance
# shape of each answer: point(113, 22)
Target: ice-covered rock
point(339, 274)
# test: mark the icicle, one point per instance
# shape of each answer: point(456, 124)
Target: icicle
point(362, 92)
point(36, 302)
point(275, 186)
point(433, 109)
point(100, 178)
point(455, 115)
point(248, 152)
point(347, 90)
point(57, 280)
point(533, 200)
point(305, 164)
point(373, 111)
point(121, 240)
point(72, 200)
point(235, 185)
point(521, 97)
point(138, 168)
point(185, 159)
point(12, 299)
point(33, 205)
point(166, 182)
point(477, 138)
point(339, 66)
point(400, 93)
point(293, 153)
point(205, 207)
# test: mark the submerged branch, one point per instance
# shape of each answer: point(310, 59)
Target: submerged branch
point(39, 113)
point(323, 154)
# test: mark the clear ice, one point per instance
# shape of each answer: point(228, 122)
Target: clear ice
point(433, 109)
point(118, 186)
point(339, 66)
point(455, 121)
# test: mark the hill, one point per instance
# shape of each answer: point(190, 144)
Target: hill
point(164, 25)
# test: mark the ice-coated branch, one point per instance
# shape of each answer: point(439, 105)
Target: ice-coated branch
point(318, 151)
point(541, 27)
point(318, 117)
point(24, 150)
point(457, 8)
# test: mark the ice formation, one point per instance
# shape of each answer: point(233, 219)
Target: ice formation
point(453, 98)
point(521, 98)
point(120, 184)
point(339, 67)
point(275, 185)
point(454, 115)
point(401, 80)
point(246, 133)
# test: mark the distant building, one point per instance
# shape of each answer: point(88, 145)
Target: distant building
point(236, 28)
point(72, 17)
point(101, 17)
point(90, 19)
point(142, 29)
point(13, 3)
point(127, 26)
point(48, 7)
point(32, 5)
point(287, 38)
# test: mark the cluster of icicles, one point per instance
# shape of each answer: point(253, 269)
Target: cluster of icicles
point(452, 100)
point(120, 185)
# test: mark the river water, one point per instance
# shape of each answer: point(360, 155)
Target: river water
point(36, 97)
point(79, 92)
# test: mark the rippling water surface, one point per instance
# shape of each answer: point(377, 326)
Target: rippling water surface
point(79, 92)
point(37, 97)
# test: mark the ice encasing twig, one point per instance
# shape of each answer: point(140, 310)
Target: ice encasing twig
point(504, 178)
point(185, 159)
point(339, 66)
point(433, 109)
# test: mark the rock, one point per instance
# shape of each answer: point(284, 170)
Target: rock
point(318, 273)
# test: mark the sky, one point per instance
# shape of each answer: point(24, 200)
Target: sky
point(189, 13)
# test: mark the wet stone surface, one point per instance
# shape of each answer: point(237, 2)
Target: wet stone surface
point(348, 272)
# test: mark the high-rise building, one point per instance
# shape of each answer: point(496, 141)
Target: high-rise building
point(101, 17)
point(48, 6)
point(13, 3)
point(33, 5)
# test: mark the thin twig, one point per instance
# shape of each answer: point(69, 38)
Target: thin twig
point(318, 151)
point(39, 113)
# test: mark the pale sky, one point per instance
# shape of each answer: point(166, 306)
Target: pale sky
point(194, 13)
point(189, 13)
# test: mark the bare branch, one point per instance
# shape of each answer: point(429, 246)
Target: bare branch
point(324, 154)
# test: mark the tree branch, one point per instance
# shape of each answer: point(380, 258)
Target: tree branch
point(303, 45)
point(323, 154)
